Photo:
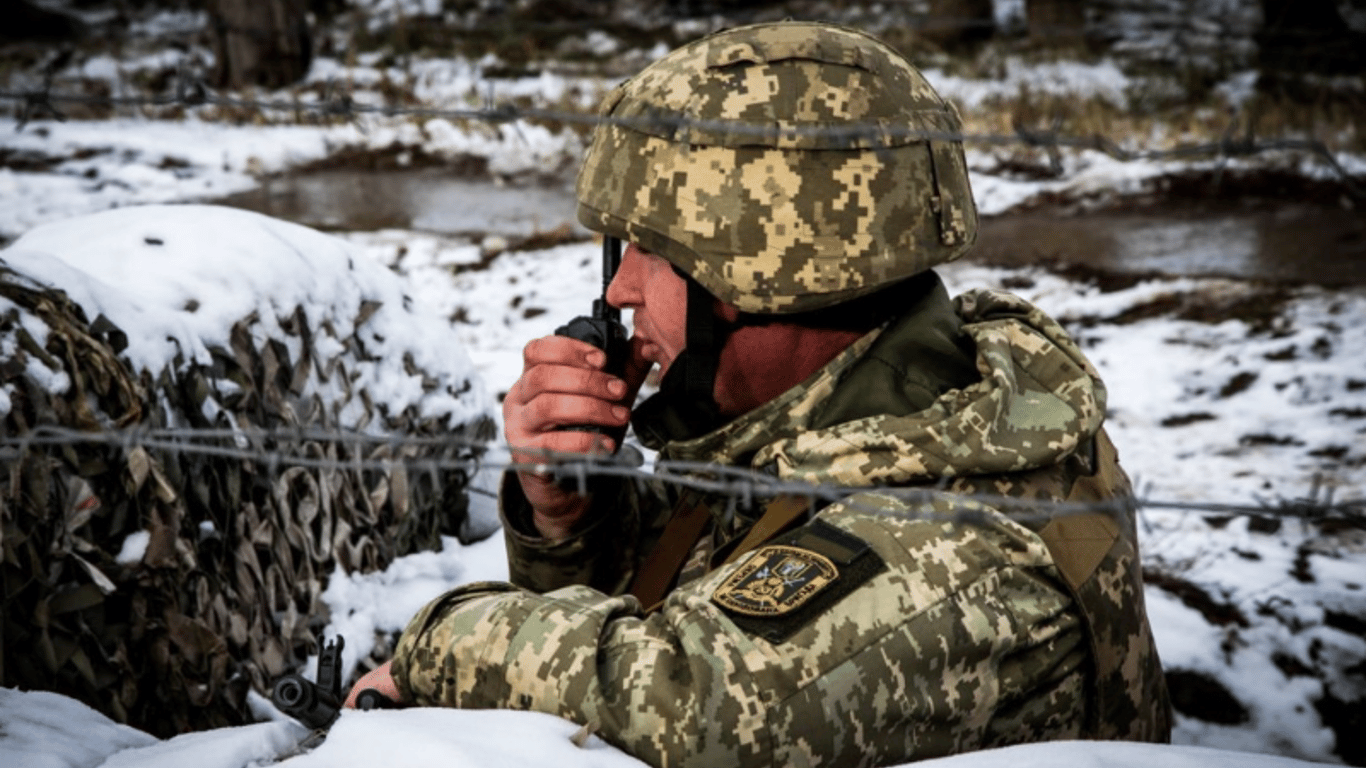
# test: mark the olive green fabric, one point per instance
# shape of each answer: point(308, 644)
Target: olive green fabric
point(921, 355)
point(786, 167)
point(971, 637)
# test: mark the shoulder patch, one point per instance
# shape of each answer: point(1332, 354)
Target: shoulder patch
point(783, 586)
point(775, 580)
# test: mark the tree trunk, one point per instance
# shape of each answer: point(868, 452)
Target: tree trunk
point(957, 23)
point(260, 42)
point(1056, 22)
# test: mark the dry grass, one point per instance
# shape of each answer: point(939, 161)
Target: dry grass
point(1337, 122)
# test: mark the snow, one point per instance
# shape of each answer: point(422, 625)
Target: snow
point(220, 748)
point(44, 730)
point(1101, 80)
point(119, 162)
point(134, 547)
point(442, 738)
point(214, 266)
point(86, 216)
point(363, 604)
point(54, 732)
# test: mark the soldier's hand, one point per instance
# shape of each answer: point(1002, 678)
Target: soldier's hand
point(563, 385)
point(381, 680)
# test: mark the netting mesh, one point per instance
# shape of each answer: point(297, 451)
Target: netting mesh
point(158, 585)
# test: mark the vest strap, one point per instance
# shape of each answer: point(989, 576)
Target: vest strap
point(776, 517)
point(685, 527)
point(657, 572)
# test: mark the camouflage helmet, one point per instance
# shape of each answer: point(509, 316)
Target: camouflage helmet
point(785, 166)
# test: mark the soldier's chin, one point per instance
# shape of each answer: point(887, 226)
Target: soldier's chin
point(652, 353)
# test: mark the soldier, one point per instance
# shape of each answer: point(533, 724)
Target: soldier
point(785, 190)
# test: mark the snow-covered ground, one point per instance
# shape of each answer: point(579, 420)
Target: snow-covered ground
point(1206, 410)
point(49, 731)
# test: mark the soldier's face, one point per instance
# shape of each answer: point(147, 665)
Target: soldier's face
point(647, 285)
point(757, 363)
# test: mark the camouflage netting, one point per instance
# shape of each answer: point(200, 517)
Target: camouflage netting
point(225, 594)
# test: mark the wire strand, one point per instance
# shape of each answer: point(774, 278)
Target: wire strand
point(270, 448)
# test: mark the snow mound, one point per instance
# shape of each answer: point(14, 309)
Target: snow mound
point(206, 413)
point(47, 731)
point(178, 279)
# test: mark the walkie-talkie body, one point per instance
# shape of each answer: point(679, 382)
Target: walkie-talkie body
point(603, 329)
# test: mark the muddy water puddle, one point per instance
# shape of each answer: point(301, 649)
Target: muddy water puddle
point(1268, 240)
point(1292, 242)
point(429, 199)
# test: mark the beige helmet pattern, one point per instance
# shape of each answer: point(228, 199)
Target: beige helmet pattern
point(785, 166)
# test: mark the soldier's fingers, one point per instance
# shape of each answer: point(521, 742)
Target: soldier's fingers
point(549, 412)
point(557, 445)
point(568, 380)
point(562, 350)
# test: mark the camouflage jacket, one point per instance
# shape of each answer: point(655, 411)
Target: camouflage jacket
point(914, 623)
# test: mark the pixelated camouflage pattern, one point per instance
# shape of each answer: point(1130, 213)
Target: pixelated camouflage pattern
point(785, 166)
point(978, 634)
point(601, 555)
point(1039, 398)
point(964, 642)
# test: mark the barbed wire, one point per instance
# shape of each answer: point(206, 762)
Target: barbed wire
point(191, 92)
point(742, 485)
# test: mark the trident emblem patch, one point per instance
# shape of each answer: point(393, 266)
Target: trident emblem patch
point(775, 580)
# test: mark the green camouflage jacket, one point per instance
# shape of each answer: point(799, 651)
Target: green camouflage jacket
point(896, 624)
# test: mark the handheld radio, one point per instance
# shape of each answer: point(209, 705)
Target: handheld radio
point(603, 329)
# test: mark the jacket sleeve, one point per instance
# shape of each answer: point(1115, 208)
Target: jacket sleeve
point(963, 640)
point(625, 519)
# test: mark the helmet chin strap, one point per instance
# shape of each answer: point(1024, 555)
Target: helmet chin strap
point(685, 406)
